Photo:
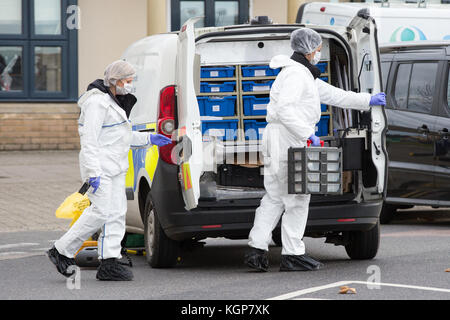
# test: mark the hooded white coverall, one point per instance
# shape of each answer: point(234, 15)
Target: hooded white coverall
point(106, 137)
point(292, 114)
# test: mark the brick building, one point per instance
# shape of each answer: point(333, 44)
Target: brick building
point(50, 50)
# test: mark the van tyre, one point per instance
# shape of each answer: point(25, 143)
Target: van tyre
point(363, 245)
point(387, 213)
point(161, 252)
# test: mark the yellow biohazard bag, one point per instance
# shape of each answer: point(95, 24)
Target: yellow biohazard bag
point(74, 205)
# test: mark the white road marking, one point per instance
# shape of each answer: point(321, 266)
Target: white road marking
point(294, 294)
point(11, 253)
point(17, 245)
point(18, 255)
point(309, 290)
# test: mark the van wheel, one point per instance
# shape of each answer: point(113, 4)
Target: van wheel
point(387, 213)
point(363, 245)
point(160, 251)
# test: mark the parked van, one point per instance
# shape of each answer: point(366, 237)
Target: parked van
point(208, 90)
point(395, 21)
point(417, 85)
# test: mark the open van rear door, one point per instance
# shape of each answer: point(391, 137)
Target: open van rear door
point(189, 124)
point(364, 38)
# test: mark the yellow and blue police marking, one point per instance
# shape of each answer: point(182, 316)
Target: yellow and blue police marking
point(141, 158)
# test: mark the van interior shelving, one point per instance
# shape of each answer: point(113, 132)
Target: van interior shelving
point(245, 80)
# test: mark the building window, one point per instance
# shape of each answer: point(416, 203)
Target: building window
point(38, 51)
point(214, 12)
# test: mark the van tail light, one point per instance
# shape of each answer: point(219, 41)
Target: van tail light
point(322, 9)
point(166, 121)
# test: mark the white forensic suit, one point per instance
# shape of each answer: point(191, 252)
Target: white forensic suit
point(106, 137)
point(292, 114)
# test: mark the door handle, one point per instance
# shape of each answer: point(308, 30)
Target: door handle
point(423, 129)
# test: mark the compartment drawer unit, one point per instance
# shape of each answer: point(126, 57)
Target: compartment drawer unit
point(315, 170)
point(254, 106)
point(322, 126)
point(259, 71)
point(217, 87)
point(323, 67)
point(217, 106)
point(254, 129)
point(217, 72)
point(252, 86)
point(222, 129)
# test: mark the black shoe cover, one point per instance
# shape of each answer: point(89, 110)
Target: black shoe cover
point(61, 262)
point(113, 270)
point(257, 259)
point(299, 263)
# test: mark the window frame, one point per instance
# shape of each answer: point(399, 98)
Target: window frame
point(395, 66)
point(67, 40)
point(444, 102)
point(210, 15)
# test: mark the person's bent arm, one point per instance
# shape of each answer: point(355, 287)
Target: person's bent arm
point(94, 115)
point(145, 140)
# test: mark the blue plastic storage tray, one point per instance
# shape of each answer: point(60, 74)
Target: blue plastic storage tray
point(251, 86)
point(259, 71)
point(322, 66)
point(254, 129)
point(217, 87)
point(322, 126)
point(323, 108)
point(254, 106)
point(222, 129)
point(324, 79)
point(217, 106)
point(217, 72)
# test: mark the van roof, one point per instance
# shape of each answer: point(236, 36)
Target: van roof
point(377, 9)
point(413, 45)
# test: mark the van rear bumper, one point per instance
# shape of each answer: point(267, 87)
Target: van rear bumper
point(236, 222)
point(234, 218)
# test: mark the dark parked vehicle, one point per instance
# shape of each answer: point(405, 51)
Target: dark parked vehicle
point(416, 81)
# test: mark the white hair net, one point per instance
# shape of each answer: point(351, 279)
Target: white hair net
point(118, 70)
point(305, 40)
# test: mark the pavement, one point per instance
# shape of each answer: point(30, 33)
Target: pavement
point(33, 184)
point(411, 263)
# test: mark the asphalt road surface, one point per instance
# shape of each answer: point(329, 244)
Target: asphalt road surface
point(411, 264)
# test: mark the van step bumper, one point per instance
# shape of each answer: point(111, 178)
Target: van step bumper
point(236, 222)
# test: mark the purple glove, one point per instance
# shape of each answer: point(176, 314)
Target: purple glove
point(315, 141)
point(159, 140)
point(378, 100)
point(94, 183)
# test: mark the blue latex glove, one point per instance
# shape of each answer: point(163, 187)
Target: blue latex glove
point(159, 140)
point(94, 183)
point(315, 141)
point(378, 100)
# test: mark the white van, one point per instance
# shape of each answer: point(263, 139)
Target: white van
point(395, 21)
point(208, 88)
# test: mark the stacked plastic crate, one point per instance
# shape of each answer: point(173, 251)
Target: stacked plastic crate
point(218, 101)
point(324, 127)
point(233, 101)
point(256, 82)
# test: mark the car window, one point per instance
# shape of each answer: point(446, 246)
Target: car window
point(385, 66)
point(421, 87)
point(402, 85)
